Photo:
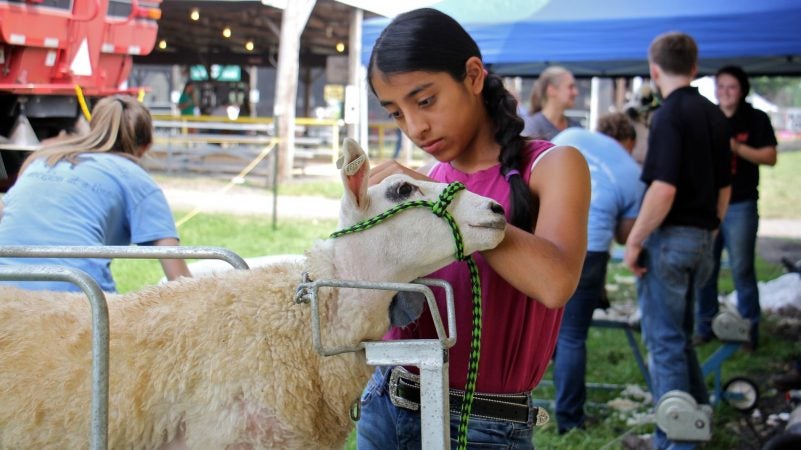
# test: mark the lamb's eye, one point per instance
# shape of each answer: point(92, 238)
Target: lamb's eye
point(405, 190)
point(400, 191)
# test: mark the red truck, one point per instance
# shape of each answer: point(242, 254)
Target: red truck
point(57, 56)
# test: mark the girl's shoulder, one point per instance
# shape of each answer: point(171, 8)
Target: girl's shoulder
point(562, 161)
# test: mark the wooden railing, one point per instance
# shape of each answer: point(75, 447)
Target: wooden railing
point(218, 145)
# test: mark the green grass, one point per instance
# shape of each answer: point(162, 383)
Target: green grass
point(780, 194)
point(319, 188)
point(610, 361)
point(247, 236)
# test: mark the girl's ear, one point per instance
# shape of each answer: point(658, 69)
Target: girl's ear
point(475, 74)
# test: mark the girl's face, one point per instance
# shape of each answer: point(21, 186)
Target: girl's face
point(439, 114)
point(564, 93)
point(727, 90)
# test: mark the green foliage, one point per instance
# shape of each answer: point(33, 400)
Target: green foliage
point(784, 91)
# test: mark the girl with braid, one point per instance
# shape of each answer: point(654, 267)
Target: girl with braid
point(428, 74)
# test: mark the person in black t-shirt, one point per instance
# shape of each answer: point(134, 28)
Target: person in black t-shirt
point(670, 246)
point(752, 142)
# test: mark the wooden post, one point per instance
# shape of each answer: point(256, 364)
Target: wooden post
point(620, 94)
point(293, 22)
point(354, 76)
point(253, 88)
point(307, 89)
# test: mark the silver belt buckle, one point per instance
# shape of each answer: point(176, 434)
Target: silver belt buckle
point(396, 374)
point(542, 417)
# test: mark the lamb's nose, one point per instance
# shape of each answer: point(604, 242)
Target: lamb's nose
point(496, 208)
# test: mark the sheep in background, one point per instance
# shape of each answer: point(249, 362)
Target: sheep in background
point(226, 361)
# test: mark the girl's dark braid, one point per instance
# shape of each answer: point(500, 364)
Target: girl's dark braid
point(502, 109)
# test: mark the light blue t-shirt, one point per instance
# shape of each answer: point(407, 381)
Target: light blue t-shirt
point(616, 187)
point(105, 199)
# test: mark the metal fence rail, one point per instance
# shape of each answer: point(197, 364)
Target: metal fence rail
point(213, 144)
point(126, 252)
point(100, 332)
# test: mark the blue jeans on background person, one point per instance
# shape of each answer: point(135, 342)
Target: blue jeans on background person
point(678, 260)
point(738, 234)
point(385, 426)
point(570, 358)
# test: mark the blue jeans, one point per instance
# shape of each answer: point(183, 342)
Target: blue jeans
point(570, 359)
point(384, 426)
point(738, 234)
point(679, 261)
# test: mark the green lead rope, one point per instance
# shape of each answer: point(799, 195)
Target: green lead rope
point(439, 208)
point(472, 363)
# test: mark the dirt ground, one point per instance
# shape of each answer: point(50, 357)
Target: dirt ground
point(775, 249)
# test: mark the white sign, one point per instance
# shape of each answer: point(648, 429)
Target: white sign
point(351, 104)
point(81, 64)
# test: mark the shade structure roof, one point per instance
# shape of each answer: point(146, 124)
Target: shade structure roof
point(611, 38)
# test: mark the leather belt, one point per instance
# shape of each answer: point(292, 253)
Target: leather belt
point(404, 392)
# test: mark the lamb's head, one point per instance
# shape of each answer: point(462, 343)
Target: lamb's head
point(415, 241)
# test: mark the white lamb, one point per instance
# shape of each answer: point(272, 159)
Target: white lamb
point(226, 361)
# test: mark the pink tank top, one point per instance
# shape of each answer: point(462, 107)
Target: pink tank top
point(518, 333)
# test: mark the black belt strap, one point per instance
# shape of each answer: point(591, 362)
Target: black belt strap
point(513, 408)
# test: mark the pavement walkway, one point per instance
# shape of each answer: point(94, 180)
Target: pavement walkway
point(250, 202)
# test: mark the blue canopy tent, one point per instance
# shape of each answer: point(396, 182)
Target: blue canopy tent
point(611, 38)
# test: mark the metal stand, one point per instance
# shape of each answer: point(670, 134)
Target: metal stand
point(429, 355)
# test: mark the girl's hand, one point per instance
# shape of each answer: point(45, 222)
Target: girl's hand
point(735, 146)
point(387, 168)
point(634, 258)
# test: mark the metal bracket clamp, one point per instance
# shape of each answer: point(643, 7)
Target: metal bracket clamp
point(730, 326)
point(682, 419)
point(430, 355)
point(307, 292)
point(100, 335)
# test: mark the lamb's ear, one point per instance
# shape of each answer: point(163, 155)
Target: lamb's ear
point(355, 172)
point(406, 307)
